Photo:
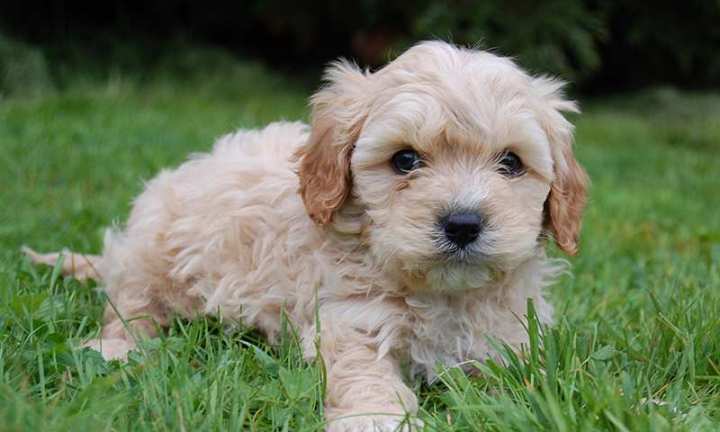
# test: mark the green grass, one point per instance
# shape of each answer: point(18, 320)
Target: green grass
point(636, 345)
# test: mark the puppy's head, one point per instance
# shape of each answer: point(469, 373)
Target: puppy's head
point(460, 161)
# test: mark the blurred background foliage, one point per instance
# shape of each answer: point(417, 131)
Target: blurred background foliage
point(601, 46)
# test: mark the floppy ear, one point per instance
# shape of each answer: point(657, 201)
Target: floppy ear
point(338, 112)
point(568, 192)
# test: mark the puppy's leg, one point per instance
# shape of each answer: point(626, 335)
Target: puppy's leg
point(80, 266)
point(124, 323)
point(135, 279)
point(365, 392)
point(128, 315)
point(131, 312)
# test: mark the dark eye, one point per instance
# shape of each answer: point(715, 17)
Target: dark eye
point(511, 165)
point(405, 161)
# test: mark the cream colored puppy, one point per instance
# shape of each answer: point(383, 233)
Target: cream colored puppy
point(412, 215)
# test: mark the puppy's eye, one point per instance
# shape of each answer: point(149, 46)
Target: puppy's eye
point(510, 165)
point(405, 161)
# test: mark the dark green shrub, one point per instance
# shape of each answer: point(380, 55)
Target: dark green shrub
point(557, 36)
point(599, 45)
point(661, 42)
point(23, 69)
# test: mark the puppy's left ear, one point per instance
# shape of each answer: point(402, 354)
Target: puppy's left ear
point(338, 113)
point(568, 192)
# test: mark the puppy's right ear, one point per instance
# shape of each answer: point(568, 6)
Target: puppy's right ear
point(338, 113)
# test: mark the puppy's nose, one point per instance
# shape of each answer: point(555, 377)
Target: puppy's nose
point(462, 228)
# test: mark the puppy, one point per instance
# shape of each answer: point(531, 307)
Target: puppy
point(410, 218)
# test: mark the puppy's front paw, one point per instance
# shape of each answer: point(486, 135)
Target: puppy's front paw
point(374, 423)
point(111, 349)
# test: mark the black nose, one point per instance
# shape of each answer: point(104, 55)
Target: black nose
point(462, 228)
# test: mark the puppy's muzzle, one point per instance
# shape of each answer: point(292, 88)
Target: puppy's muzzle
point(462, 228)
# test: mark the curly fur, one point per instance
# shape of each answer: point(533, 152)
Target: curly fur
point(313, 219)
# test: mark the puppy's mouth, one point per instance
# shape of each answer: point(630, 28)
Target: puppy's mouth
point(469, 254)
point(460, 270)
point(452, 268)
point(462, 255)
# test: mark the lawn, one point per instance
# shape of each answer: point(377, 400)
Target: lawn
point(637, 340)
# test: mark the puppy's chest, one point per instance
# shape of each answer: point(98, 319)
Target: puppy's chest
point(445, 334)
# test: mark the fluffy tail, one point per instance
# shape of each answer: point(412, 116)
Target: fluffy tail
point(77, 265)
